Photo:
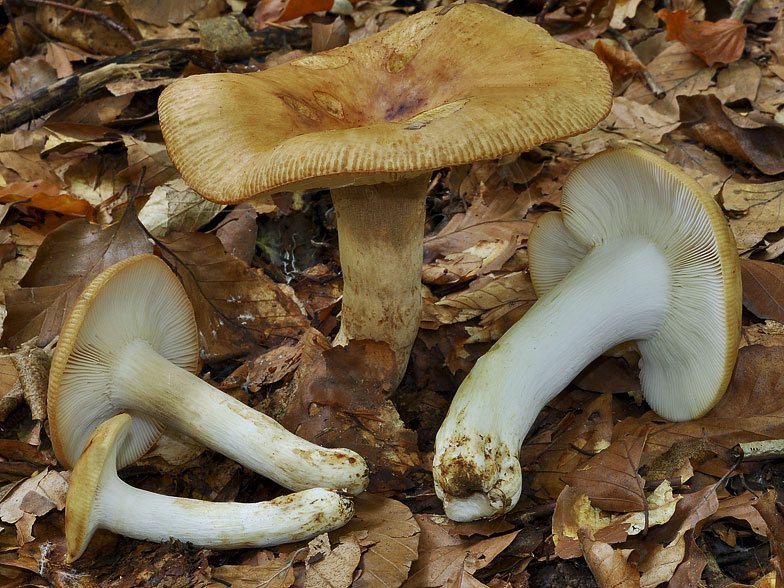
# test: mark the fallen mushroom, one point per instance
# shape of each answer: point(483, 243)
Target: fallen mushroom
point(130, 345)
point(371, 121)
point(98, 499)
point(639, 252)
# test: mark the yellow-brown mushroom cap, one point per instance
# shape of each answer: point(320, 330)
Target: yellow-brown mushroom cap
point(82, 504)
point(443, 87)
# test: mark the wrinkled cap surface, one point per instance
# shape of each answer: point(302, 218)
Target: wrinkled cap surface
point(99, 459)
point(443, 87)
point(136, 298)
point(627, 192)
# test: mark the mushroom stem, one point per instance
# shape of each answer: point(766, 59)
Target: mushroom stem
point(618, 292)
point(148, 516)
point(99, 499)
point(380, 232)
point(148, 383)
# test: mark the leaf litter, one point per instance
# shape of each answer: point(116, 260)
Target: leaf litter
point(634, 499)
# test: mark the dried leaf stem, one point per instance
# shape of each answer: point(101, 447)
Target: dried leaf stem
point(657, 90)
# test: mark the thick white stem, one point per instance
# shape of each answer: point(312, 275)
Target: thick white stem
point(148, 383)
point(381, 231)
point(618, 292)
point(149, 516)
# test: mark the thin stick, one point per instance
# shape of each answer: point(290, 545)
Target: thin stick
point(758, 450)
point(104, 18)
point(742, 9)
point(657, 90)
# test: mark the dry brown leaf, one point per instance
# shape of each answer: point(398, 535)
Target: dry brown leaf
point(389, 529)
point(610, 479)
point(277, 573)
point(67, 260)
point(713, 42)
point(574, 511)
point(238, 309)
point(444, 556)
point(741, 508)
point(336, 568)
point(497, 215)
point(45, 196)
point(464, 580)
point(638, 121)
point(756, 210)
point(610, 567)
point(679, 73)
point(623, 9)
point(759, 141)
point(576, 438)
point(763, 289)
point(336, 399)
point(619, 62)
point(768, 509)
point(175, 207)
point(31, 499)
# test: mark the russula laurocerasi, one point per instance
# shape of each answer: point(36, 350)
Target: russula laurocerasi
point(371, 121)
point(98, 499)
point(130, 345)
point(639, 252)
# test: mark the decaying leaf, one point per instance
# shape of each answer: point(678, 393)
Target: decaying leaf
point(619, 62)
point(46, 196)
point(34, 497)
point(175, 207)
point(334, 568)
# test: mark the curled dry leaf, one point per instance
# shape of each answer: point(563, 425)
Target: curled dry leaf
point(763, 289)
point(759, 141)
point(389, 536)
point(444, 556)
point(335, 567)
point(573, 511)
point(610, 479)
point(619, 62)
point(609, 566)
point(175, 207)
point(713, 42)
point(31, 499)
point(769, 510)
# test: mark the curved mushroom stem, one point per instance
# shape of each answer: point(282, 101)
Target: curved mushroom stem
point(618, 292)
point(145, 382)
point(148, 516)
point(381, 230)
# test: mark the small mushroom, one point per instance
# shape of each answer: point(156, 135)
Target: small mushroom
point(130, 345)
point(639, 252)
point(371, 121)
point(98, 499)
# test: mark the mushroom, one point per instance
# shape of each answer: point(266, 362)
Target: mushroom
point(371, 121)
point(98, 499)
point(639, 252)
point(130, 345)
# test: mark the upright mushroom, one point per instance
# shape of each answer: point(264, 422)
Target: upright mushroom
point(639, 252)
point(130, 345)
point(98, 499)
point(371, 121)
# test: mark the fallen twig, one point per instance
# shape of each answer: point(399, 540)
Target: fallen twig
point(657, 90)
point(758, 450)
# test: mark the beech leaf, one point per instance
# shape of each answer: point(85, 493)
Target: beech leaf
point(713, 42)
point(763, 289)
